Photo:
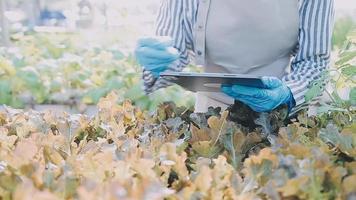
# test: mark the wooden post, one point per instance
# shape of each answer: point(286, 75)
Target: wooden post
point(33, 9)
point(5, 36)
point(105, 12)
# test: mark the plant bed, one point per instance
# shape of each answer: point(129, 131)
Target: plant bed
point(124, 153)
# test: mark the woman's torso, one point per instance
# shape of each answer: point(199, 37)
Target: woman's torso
point(255, 37)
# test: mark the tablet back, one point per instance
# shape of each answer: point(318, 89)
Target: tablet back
point(211, 82)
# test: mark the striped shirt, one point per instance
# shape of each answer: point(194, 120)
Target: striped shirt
point(311, 58)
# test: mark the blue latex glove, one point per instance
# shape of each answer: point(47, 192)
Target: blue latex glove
point(155, 54)
point(274, 94)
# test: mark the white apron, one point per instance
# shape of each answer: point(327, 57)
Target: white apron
point(255, 37)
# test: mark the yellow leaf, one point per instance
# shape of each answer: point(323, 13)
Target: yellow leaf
point(204, 179)
point(247, 196)
point(27, 191)
point(3, 118)
point(87, 100)
point(24, 152)
point(223, 173)
point(199, 135)
point(144, 167)
point(205, 149)
point(292, 187)
point(335, 175)
point(168, 151)
point(351, 167)
point(53, 156)
point(6, 66)
point(265, 154)
point(24, 130)
point(349, 184)
point(217, 125)
point(298, 150)
point(6, 142)
point(97, 80)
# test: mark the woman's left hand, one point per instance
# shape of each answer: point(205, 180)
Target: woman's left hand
point(274, 94)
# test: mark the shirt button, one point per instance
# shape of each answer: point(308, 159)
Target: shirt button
point(200, 26)
point(200, 53)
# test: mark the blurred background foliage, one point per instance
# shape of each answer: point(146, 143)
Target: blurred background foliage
point(75, 52)
point(56, 69)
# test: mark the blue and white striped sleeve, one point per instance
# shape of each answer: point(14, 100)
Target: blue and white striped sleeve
point(314, 49)
point(176, 19)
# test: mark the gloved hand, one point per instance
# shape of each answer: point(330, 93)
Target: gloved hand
point(155, 54)
point(274, 94)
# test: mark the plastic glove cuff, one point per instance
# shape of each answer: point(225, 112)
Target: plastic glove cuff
point(291, 101)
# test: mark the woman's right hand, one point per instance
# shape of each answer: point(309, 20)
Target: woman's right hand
point(156, 54)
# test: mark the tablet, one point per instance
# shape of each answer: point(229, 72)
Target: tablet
point(211, 82)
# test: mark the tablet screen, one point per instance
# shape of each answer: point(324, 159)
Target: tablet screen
point(211, 82)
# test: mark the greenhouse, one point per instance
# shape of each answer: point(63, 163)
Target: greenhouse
point(178, 99)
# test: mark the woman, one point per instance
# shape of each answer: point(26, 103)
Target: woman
point(286, 41)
